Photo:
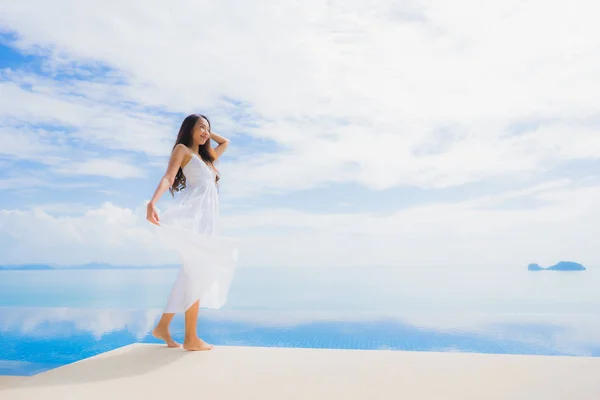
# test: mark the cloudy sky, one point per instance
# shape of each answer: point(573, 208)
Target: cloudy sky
point(412, 133)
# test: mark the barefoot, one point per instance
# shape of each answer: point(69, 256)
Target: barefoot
point(197, 344)
point(166, 336)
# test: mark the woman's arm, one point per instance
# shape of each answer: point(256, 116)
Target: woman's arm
point(165, 183)
point(222, 143)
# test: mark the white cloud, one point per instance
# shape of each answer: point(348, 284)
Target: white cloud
point(475, 232)
point(102, 167)
point(55, 209)
point(27, 144)
point(468, 233)
point(25, 182)
point(353, 92)
point(106, 234)
point(380, 94)
point(94, 122)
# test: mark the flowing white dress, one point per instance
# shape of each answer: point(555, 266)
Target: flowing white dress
point(189, 226)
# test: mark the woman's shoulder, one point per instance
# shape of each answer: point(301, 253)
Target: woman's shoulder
point(181, 148)
point(183, 151)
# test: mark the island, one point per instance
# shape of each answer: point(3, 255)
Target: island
point(26, 267)
point(561, 266)
point(88, 266)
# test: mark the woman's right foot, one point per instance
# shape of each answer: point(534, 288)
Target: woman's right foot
point(163, 334)
point(197, 344)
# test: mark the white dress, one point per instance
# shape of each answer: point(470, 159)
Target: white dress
point(189, 226)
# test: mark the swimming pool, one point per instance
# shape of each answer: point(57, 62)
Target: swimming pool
point(52, 318)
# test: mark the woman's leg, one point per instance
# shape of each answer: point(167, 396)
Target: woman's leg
point(192, 342)
point(175, 298)
point(162, 330)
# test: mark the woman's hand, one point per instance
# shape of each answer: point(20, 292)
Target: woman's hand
point(152, 214)
point(223, 144)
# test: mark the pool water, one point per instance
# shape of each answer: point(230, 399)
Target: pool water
point(53, 318)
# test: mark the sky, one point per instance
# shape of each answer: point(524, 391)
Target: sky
point(386, 133)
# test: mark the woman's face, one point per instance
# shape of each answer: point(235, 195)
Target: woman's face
point(201, 131)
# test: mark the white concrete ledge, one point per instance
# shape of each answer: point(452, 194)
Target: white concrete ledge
point(10, 381)
point(155, 372)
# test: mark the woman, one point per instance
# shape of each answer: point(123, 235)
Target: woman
point(189, 226)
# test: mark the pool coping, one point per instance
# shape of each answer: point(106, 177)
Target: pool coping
point(294, 373)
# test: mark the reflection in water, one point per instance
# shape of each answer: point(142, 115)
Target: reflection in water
point(44, 338)
point(57, 322)
point(40, 339)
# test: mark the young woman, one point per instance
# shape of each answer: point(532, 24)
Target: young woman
point(189, 225)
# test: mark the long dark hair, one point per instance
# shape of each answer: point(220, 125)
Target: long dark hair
point(206, 152)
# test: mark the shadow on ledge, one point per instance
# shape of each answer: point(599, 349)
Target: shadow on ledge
point(120, 363)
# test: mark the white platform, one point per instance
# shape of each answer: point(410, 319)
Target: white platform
point(155, 372)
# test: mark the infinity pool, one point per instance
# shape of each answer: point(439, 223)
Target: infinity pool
point(52, 318)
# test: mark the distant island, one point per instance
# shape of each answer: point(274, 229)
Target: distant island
point(88, 266)
point(561, 266)
point(29, 267)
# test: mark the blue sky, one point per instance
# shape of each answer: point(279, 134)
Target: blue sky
point(379, 135)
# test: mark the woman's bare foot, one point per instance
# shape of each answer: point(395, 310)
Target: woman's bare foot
point(166, 336)
point(197, 344)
